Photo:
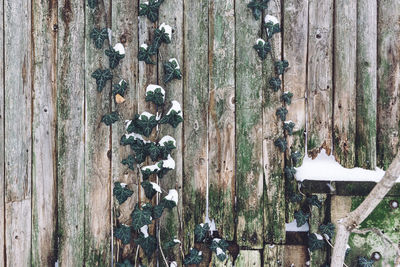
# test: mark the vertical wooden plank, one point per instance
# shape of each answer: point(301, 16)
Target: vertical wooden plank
point(273, 158)
point(17, 116)
point(388, 81)
point(221, 143)
point(247, 258)
point(295, 79)
point(97, 144)
point(319, 78)
point(195, 82)
point(44, 194)
point(319, 216)
point(344, 111)
point(171, 13)
point(273, 255)
point(125, 30)
point(71, 132)
point(2, 165)
point(295, 255)
point(249, 172)
point(366, 94)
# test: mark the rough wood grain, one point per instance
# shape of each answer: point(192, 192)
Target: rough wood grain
point(319, 77)
point(295, 255)
point(247, 258)
point(344, 110)
point(273, 255)
point(44, 190)
point(17, 127)
point(70, 132)
point(125, 30)
point(365, 143)
point(195, 82)
point(249, 172)
point(221, 125)
point(294, 80)
point(97, 145)
point(319, 216)
point(171, 13)
point(273, 158)
point(2, 180)
point(388, 81)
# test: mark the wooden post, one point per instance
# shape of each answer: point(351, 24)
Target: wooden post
point(221, 132)
point(2, 155)
point(17, 127)
point(317, 217)
point(344, 111)
point(71, 132)
point(249, 171)
point(195, 82)
point(274, 255)
point(44, 191)
point(248, 258)
point(389, 86)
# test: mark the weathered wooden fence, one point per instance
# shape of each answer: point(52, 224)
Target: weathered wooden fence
point(58, 161)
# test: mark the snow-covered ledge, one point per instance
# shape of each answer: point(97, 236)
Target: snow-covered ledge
point(326, 168)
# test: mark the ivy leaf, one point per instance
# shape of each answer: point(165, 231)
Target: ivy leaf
point(126, 263)
point(194, 257)
point(102, 76)
point(156, 96)
point(160, 36)
point(149, 191)
point(257, 6)
point(280, 66)
point(145, 54)
point(154, 151)
point(130, 162)
point(171, 243)
point(92, 3)
point(272, 28)
point(172, 71)
point(121, 192)
point(301, 217)
point(327, 229)
point(141, 152)
point(98, 36)
point(275, 83)
point(287, 98)
point(219, 246)
point(168, 203)
point(364, 262)
point(314, 201)
point(114, 57)
point(158, 210)
point(262, 48)
point(140, 217)
point(296, 158)
point(281, 113)
point(315, 242)
point(296, 198)
point(166, 149)
point(148, 244)
point(147, 171)
point(200, 232)
point(288, 127)
point(120, 88)
point(147, 124)
point(110, 118)
point(123, 233)
point(150, 10)
point(173, 118)
point(290, 172)
point(281, 143)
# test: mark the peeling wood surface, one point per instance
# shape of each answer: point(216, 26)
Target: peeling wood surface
point(2, 150)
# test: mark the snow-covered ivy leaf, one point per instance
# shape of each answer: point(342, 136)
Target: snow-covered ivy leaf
point(301, 218)
point(314, 201)
point(120, 88)
point(150, 189)
point(143, 124)
point(200, 232)
point(121, 192)
point(296, 198)
point(149, 170)
point(280, 66)
point(141, 217)
point(157, 96)
point(272, 28)
point(171, 243)
point(150, 9)
point(219, 246)
point(257, 7)
point(166, 166)
point(287, 98)
point(281, 143)
point(126, 263)
point(158, 210)
point(114, 56)
point(162, 35)
point(110, 118)
point(92, 3)
point(288, 127)
point(148, 244)
point(364, 262)
point(154, 151)
point(98, 36)
point(172, 70)
point(296, 157)
point(102, 76)
point(145, 53)
point(275, 83)
point(327, 229)
point(194, 257)
point(315, 242)
point(167, 144)
point(174, 115)
point(130, 162)
point(281, 113)
point(123, 233)
point(262, 48)
point(289, 172)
